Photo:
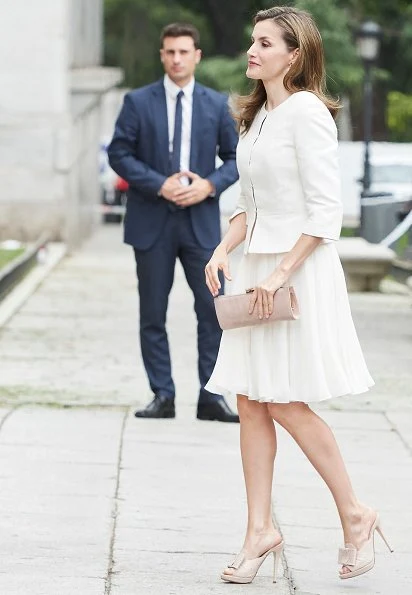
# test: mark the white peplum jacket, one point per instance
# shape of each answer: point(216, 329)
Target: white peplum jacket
point(289, 175)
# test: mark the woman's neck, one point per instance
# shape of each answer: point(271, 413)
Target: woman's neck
point(275, 93)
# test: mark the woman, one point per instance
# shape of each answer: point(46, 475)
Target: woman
point(289, 216)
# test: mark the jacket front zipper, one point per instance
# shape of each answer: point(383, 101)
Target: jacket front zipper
point(251, 181)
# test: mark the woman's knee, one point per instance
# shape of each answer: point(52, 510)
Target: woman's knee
point(249, 409)
point(288, 415)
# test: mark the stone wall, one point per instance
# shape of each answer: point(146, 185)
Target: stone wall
point(51, 87)
point(86, 33)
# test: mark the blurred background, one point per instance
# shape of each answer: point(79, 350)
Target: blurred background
point(67, 64)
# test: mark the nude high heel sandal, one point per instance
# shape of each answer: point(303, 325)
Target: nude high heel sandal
point(246, 569)
point(360, 561)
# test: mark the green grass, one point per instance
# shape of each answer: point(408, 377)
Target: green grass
point(348, 232)
point(43, 396)
point(7, 256)
point(402, 244)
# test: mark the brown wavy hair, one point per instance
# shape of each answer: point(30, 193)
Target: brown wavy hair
point(307, 73)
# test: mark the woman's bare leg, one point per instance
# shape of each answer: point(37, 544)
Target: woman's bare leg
point(258, 449)
point(318, 443)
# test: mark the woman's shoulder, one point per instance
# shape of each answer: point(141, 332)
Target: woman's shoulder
point(307, 99)
point(306, 105)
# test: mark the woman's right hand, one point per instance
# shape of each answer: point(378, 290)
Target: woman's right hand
point(218, 262)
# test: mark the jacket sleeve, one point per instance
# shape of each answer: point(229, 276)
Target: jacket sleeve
point(121, 152)
point(317, 154)
point(240, 206)
point(227, 173)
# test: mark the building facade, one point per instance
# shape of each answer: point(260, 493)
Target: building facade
point(52, 86)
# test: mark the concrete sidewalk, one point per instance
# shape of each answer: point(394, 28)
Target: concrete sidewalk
point(95, 501)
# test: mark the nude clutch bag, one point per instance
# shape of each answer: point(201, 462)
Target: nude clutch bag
point(233, 310)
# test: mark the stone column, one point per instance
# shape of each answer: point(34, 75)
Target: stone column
point(51, 83)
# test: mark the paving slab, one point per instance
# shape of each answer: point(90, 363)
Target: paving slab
point(185, 520)
point(311, 529)
point(4, 413)
point(94, 500)
point(59, 470)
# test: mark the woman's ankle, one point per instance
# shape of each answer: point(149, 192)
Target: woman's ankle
point(355, 514)
point(258, 542)
point(260, 528)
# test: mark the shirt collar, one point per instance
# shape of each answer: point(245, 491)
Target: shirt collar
point(172, 89)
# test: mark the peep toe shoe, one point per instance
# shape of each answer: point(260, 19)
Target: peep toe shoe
point(359, 561)
point(245, 569)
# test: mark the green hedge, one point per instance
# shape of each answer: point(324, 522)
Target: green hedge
point(399, 116)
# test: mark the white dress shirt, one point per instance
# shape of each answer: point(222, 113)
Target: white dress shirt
point(172, 91)
point(289, 175)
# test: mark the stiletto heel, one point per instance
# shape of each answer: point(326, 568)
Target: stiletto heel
point(246, 569)
point(276, 557)
point(359, 561)
point(379, 530)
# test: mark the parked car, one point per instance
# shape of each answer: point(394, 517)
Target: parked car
point(389, 199)
point(394, 176)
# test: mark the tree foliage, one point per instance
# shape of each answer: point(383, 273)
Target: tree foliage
point(227, 20)
point(133, 27)
point(343, 68)
point(400, 116)
point(224, 74)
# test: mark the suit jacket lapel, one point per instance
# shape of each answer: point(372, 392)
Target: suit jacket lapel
point(161, 124)
point(198, 115)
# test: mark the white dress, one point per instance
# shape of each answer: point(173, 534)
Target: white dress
point(293, 149)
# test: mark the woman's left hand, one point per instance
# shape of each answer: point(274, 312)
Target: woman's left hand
point(264, 293)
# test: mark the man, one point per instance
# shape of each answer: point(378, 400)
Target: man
point(164, 145)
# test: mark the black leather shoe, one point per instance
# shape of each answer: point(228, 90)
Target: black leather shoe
point(160, 407)
point(216, 410)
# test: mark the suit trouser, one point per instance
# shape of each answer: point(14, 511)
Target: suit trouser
point(155, 272)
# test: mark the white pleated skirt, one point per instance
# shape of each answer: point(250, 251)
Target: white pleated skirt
point(314, 358)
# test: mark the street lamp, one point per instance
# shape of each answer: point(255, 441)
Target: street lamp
point(368, 38)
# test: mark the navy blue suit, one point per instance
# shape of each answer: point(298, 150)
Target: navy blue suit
point(159, 231)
